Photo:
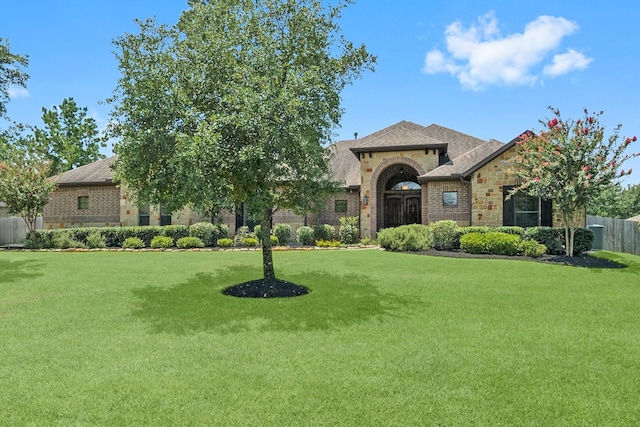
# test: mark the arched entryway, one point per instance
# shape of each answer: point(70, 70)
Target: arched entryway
point(399, 197)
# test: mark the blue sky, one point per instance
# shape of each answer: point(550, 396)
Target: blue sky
point(485, 68)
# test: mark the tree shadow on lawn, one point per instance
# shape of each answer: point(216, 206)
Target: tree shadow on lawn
point(198, 305)
point(13, 271)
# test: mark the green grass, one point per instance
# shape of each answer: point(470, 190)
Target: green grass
point(146, 338)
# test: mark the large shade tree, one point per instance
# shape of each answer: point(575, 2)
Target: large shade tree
point(571, 162)
point(234, 105)
point(12, 73)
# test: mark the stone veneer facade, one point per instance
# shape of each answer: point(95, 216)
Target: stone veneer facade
point(372, 167)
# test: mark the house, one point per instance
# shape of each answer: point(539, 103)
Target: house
point(405, 173)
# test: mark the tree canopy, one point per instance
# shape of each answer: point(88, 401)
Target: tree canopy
point(234, 104)
point(69, 137)
point(571, 163)
point(11, 73)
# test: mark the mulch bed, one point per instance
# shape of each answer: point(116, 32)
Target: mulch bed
point(582, 260)
point(260, 289)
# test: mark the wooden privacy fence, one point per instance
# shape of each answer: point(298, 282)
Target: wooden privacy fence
point(618, 235)
point(13, 230)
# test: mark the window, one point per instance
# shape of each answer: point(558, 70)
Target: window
point(83, 202)
point(449, 198)
point(341, 206)
point(143, 215)
point(165, 217)
point(405, 185)
point(526, 211)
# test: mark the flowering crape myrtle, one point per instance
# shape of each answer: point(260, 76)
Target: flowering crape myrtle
point(570, 162)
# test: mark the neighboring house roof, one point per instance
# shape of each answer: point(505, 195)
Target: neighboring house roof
point(96, 173)
point(634, 218)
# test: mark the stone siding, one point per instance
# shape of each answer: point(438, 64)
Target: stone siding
point(372, 166)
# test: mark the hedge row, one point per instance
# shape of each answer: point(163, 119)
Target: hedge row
point(446, 235)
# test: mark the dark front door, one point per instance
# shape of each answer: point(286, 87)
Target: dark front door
point(401, 209)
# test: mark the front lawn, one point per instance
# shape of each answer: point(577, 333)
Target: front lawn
point(147, 338)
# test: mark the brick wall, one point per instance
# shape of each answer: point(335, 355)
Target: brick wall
point(62, 210)
point(437, 210)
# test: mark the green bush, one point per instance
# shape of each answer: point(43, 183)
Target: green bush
point(175, 231)
point(324, 232)
point(161, 242)
point(204, 231)
point(495, 243)
point(283, 233)
point(499, 243)
point(133, 243)
point(582, 240)
point(225, 242)
point(509, 229)
point(414, 237)
point(445, 235)
point(552, 238)
point(95, 240)
point(533, 249)
point(473, 243)
point(328, 243)
point(242, 234)
point(305, 235)
point(66, 240)
point(257, 231)
point(366, 241)
point(189, 242)
point(349, 230)
point(39, 239)
point(250, 241)
point(274, 240)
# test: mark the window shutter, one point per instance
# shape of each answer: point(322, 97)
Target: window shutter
point(546, 213)
point(508, 207)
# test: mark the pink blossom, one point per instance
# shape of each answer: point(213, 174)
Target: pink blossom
point(586, 168)
point(557, 153)
point(588, 176)
point(613, 163)
point(537, 179)
point(553, 123)
point(629, 171)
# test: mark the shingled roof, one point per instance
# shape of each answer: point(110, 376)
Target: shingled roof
point(96, 173)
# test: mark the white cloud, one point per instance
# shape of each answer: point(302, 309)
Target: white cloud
point(17, 92)
point(480, 56)
point(566, 62)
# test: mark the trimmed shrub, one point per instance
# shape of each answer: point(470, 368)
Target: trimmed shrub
point(305, 235)
point(494, 243)
point(161, 242)
point(533, 249)
point(550, 237)
point(222, 231)
point(473, 243)
point(250, 241)
point(225, 242)
point(133, 243)
point(324, 232)
point(349, 230)
point(328, 243)
point(204, 231)
point(175, 231)
point(189, 242)
point(274, 240)
point(414, 237)
point(95, 240)
point(582, 240)
point(40, 239)
point(283, 233)
point(445, 235)
point(257, 231)
point(499, 243)
point(509, 229)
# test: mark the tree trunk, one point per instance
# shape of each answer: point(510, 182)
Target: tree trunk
point(267, 254)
